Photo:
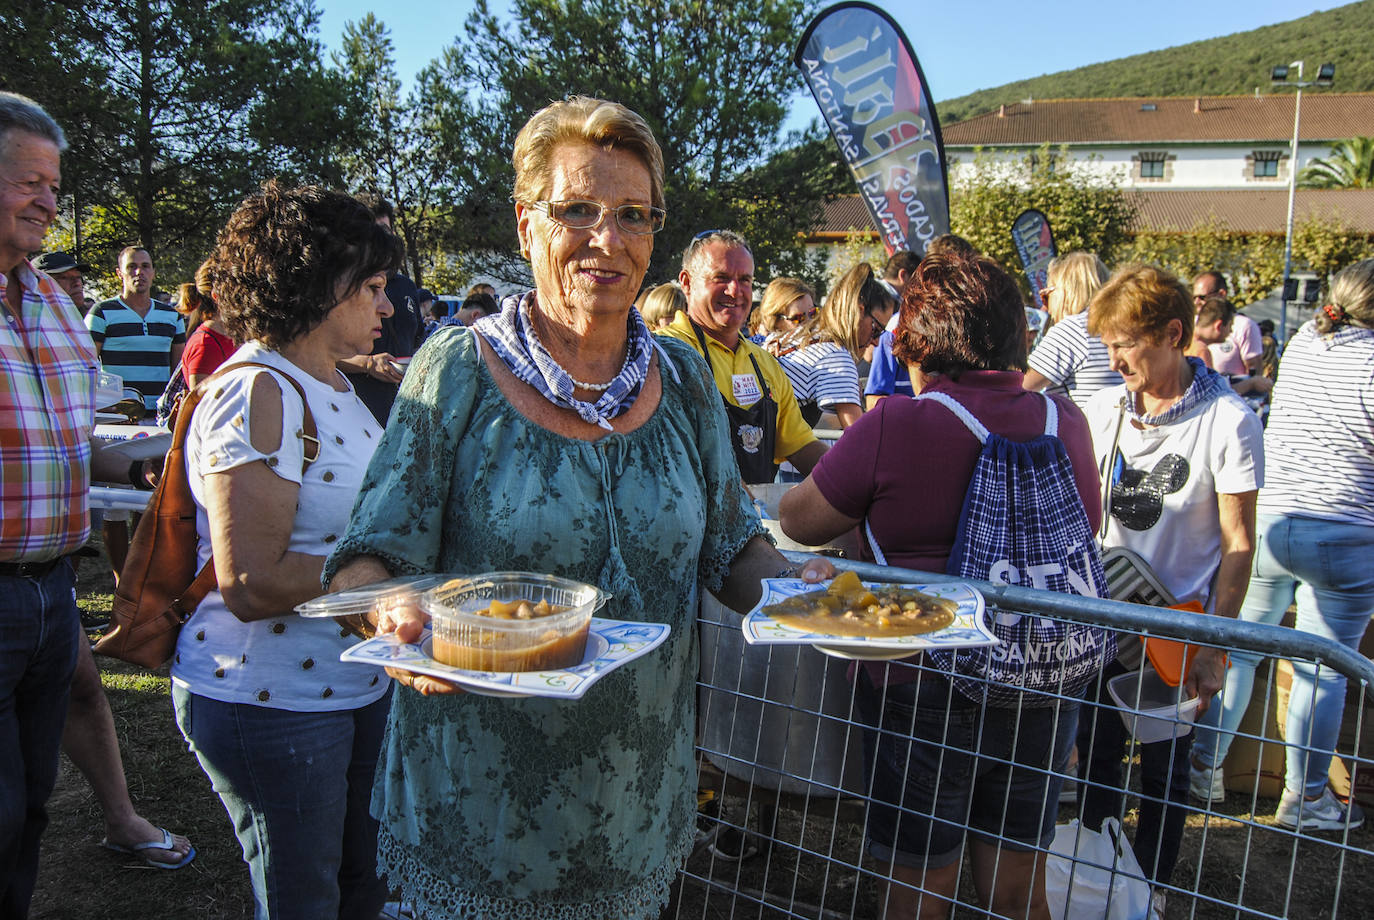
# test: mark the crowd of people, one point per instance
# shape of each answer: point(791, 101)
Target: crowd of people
point(606, 430)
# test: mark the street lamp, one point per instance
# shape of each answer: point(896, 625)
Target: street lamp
point(1326, 73)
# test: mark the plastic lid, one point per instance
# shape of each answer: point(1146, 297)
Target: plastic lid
point(362, 600)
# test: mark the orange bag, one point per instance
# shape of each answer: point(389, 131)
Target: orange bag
point(1170, 657)
point(159, 587)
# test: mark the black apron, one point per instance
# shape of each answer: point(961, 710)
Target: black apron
point(753, 431)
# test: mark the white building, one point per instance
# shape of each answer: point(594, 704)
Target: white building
point(1207, 142)
point(1189, 160)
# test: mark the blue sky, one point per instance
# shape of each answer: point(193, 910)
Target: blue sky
point(962, 46)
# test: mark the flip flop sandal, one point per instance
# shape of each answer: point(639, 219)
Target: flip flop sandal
point(139, 850)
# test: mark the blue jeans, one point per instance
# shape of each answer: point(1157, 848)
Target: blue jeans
point(1325, 567)
point(297, 786)
point(39, 630)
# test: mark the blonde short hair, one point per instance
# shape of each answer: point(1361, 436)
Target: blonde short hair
point(1076, 276)
point(780, 294)
point(1142, 300)
point(662, 303)
point(608, 125)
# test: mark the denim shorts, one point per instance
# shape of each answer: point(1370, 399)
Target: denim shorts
point(941, 765)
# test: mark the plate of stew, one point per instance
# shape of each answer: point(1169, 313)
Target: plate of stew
point(850, 618)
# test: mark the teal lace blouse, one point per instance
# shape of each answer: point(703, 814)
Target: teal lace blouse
point(528, 808)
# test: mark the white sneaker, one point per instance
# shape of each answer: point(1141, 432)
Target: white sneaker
point(1324, 814)
point(1157, 898)
point(1207, 784)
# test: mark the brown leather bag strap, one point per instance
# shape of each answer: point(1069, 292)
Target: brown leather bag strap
point(308, 433)
point(206, 580)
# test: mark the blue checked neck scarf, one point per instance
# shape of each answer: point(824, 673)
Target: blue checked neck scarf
point(512, 336)
point(1207, 385)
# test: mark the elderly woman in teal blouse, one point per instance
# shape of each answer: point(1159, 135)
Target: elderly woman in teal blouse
point(558, 436)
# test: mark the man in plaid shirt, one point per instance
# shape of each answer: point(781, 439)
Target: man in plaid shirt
point(48, 367)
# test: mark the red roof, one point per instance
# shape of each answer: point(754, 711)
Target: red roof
point(1242, 210)
point(1253, 210)
point(1326, 116)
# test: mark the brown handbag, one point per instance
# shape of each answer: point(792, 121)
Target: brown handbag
point(159, 587)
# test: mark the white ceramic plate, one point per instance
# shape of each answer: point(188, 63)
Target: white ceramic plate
point(969, 629)
point(610, 644)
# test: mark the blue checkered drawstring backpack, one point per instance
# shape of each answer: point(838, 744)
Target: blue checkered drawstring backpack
point(1023, 523)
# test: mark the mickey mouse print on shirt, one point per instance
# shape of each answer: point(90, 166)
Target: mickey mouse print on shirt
point(1138, 497)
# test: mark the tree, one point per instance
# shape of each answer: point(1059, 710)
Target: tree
point(1252, 262)
point(1325, 245)
point(412, 150)
point(176, 110)
point(712, 78)
point(1350, 165)
point(1085, 212)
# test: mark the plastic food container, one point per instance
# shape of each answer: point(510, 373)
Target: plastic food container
point(363, 600)
point(1151, 709)
point(466, 638)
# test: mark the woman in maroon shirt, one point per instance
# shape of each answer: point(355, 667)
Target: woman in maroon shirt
point(943, 768)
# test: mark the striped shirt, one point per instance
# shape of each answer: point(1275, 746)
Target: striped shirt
point(137, 348)
point(1319, 446)
point(1069, 357)
point(47, 409)
point(823, 374)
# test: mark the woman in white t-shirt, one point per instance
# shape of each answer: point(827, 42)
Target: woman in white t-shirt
point(823, 366)
point(1182, 455)
point(288, 735)
point(1316, 527)
point(1069, 359)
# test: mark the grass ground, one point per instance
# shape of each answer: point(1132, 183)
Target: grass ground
point(78, 879)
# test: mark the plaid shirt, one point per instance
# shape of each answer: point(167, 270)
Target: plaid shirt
point(47, 409)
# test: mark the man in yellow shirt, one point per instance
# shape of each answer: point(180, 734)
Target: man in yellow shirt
point(766, 426)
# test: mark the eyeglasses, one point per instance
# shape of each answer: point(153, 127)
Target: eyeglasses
point(800, 317)
point(877, 331)
point(639, 219)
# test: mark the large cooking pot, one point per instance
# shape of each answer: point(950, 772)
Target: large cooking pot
point(777, 716)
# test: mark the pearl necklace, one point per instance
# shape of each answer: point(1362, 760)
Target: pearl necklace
point(594, 387)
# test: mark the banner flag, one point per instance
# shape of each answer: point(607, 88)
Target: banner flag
point(873, 95)
point(1030, 234)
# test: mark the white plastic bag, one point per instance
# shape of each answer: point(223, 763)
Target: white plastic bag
point(1094, 875)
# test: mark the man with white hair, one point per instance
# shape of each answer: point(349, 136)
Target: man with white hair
point(47, 404)
point(48, 367)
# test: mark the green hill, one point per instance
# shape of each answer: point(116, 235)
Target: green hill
point(1216, 66)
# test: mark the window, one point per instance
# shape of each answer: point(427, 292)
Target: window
point(1267, 164)
point(1152, 165)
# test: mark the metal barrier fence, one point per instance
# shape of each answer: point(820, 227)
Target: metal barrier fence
point(784, 785)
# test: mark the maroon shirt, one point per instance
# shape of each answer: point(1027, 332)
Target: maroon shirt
point(907, 463)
